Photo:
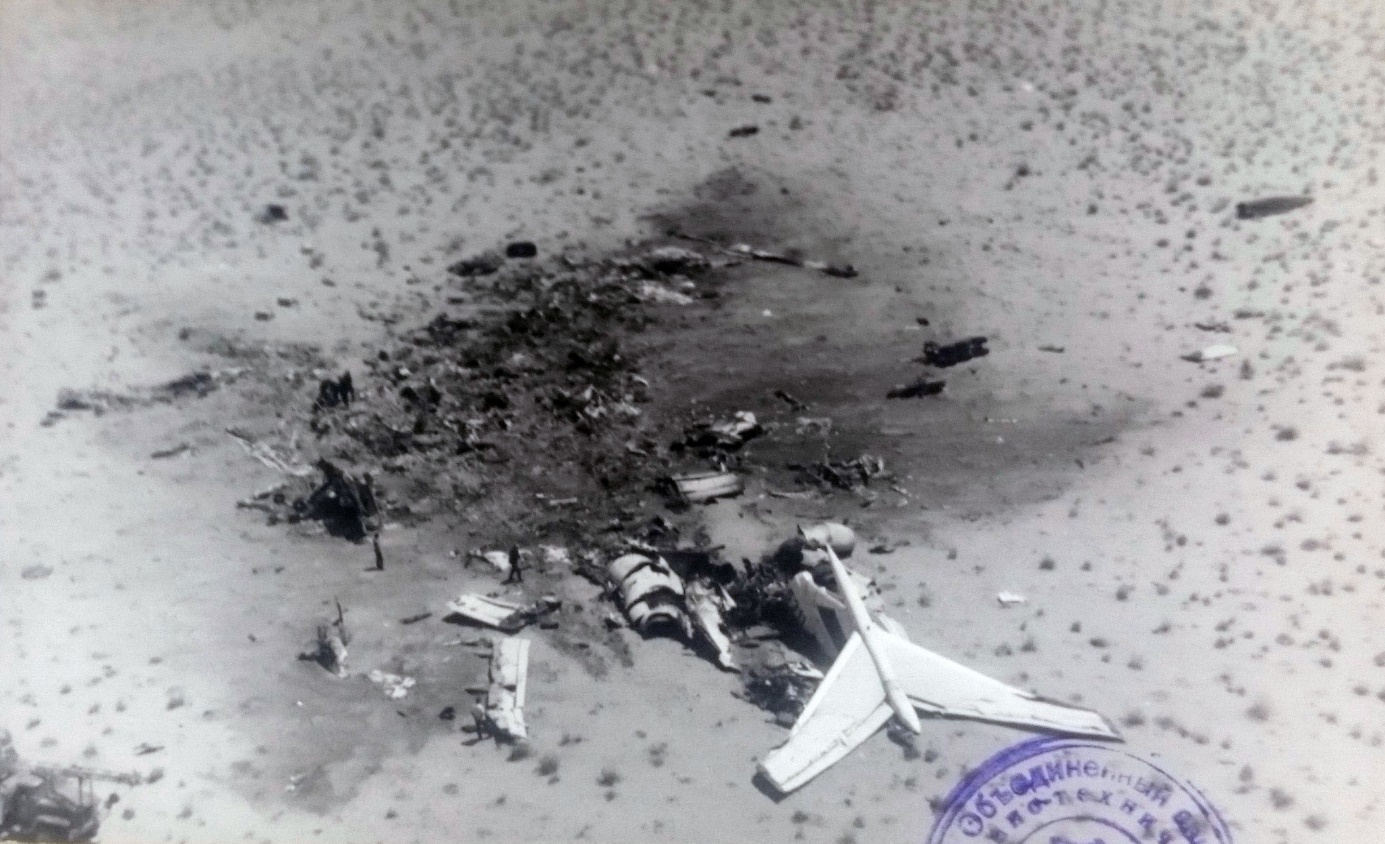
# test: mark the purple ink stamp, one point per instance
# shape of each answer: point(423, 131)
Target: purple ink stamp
point(1072, 791)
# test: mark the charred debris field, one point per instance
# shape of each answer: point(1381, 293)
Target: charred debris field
point(547, 402)
point(560, 412)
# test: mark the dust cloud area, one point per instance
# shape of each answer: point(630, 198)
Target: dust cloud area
point(1199, 543)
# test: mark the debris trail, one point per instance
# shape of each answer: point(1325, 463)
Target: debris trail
point(743, 250)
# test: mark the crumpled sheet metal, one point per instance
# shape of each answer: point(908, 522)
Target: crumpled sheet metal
point(509, 673)
point(707, 486)
point(492, 612)
point(826, 617)
point(706, 603)
point(395, 686)
point(654, 596)
point(498, 560)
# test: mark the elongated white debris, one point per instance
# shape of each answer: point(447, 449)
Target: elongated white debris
point(509, 677)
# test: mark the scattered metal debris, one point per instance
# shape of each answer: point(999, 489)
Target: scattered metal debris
point(498, 560)
point(745, 250)
point(701, 487)
point(41, 802)
point(485, 263)
point(265, 453)
point(845, 474)
point(918, 389)
point(1212, 353)
point(820, 425)
point(503, 615)
point(658, 294)
point(782, 689)
point(725, 435)
point(794, 404)
point(329, 650)
point(555, 556)
point(669, 261)
point(706, 603)
point(509, 673)
point(952, 354)
point(395, 686)
point(453, 414)
point(345, 505)
point(658, 601)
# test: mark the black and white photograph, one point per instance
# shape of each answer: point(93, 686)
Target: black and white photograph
point(706, 421)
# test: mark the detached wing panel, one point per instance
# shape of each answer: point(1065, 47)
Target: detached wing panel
point(847, 708)
point(937, 684)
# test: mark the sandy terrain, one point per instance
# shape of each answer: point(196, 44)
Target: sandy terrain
point(1200, 543)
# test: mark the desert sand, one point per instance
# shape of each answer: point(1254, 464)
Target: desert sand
point(1200, 543)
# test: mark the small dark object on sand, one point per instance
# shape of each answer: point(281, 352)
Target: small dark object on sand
point(1269, 206)
point(744, 131)
point(195, 383)
point(846, 474)
point(954, 353)
point(482, 264)
point(521, 249)
point(332, 393)
point(921, 387)
point(448, 713)
point(792, 402)
point(272, 213)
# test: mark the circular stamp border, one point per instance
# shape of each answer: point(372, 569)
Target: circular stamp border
point(1206, 827)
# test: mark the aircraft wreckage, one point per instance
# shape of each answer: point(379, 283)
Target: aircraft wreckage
point(878, 674)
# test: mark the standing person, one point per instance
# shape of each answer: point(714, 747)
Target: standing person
point(516, 574)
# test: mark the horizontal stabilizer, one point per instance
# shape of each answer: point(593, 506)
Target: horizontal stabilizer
point(937, 684)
